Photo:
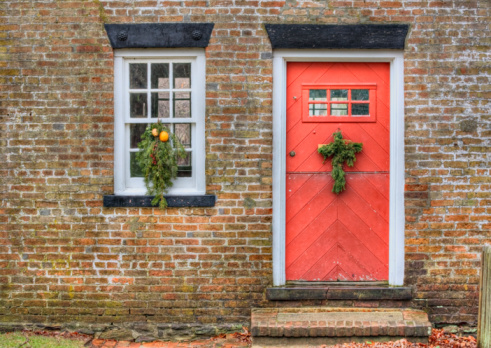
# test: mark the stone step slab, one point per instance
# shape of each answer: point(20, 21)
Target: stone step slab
point(294, 325)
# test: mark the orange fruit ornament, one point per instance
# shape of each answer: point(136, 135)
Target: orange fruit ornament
point(155, 132)
point(164, 136)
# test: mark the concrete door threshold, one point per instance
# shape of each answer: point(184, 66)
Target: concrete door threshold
point(311, 326)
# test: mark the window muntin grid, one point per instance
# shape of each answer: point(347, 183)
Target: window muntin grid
point(160, 91)
point(339, 103)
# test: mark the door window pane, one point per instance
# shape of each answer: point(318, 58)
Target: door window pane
point(182, 75)
point(359, 109)
point(318, 94)
point(138, 76)
point(339, 109)
point(138, 105)
point(317, 109)
point(182, 104)
point(339, 94)
point(136, 131)
point(160, 105)
point(160, 75)
point(359, 94)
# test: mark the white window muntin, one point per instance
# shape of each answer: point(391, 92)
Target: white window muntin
point(124, 183)
point(135, 182)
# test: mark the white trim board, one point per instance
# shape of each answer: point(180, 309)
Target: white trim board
point(396, 209)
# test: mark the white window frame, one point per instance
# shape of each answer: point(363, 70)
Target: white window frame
point(123, 184)
point(396, 207)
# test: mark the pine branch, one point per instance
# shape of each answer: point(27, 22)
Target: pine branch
point(342, 151)
point(158, 162)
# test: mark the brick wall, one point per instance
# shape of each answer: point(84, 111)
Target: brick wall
point(66, 259)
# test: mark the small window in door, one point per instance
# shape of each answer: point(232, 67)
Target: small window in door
point(339, 103)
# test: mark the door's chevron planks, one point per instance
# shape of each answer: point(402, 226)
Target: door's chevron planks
point(299, 72)
point(338, 273)
point(333, 237)
point(343, 260)
point(380, 182)
point(294, 182)
point(378, 222)
point(303, 138)
point(299, 241)
point(304, 143)
point(308, 255)
point(314, 208)
point(355, 268)
point(295, 71)
point(374, 159)
point(374, 138)
point(362, 230)
point(379, 127)
point(371, 195)
point(303, 194)
point(305, 254)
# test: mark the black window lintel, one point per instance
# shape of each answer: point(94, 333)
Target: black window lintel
point(159, 35)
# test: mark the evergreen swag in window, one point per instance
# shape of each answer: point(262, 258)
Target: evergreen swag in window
point(158, 160)
point(342, 151)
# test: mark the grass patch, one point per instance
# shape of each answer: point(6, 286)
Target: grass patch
point(15, 339)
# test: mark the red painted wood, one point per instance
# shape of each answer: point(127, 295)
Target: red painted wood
point(302, 215)
point(337, 237)
point(354, 223)
point(301, 136)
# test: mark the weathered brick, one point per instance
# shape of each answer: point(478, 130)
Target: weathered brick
point(56, 82)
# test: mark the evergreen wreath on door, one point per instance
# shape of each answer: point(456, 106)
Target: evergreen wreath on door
point(342, 151)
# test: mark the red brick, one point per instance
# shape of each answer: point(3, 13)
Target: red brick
point(56, 68)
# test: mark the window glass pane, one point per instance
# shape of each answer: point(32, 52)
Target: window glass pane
point(182, 75)
point(339, 109)
point(318, 94)
point(138, 105)
point(138, 75)
point(160, 105)
point(360, 109)
point(339, 94)
point(359, 94)
point(135, 170)
point(182, 104)
point(185, 169)
point(160, 75)
point(317, 109)
point(168, 127)
point(183, 132)
point(136, 131)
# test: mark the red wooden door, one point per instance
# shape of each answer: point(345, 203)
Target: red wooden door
point(333, 237)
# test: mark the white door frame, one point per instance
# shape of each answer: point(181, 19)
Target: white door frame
point(396, 210)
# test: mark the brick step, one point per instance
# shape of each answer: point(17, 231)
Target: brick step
point(309, 326)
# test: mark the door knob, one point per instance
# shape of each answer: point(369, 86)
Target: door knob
point(292, 153)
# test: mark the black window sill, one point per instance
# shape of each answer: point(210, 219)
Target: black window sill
point(113, 201)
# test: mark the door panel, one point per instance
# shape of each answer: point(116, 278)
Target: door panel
point(333, 237)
